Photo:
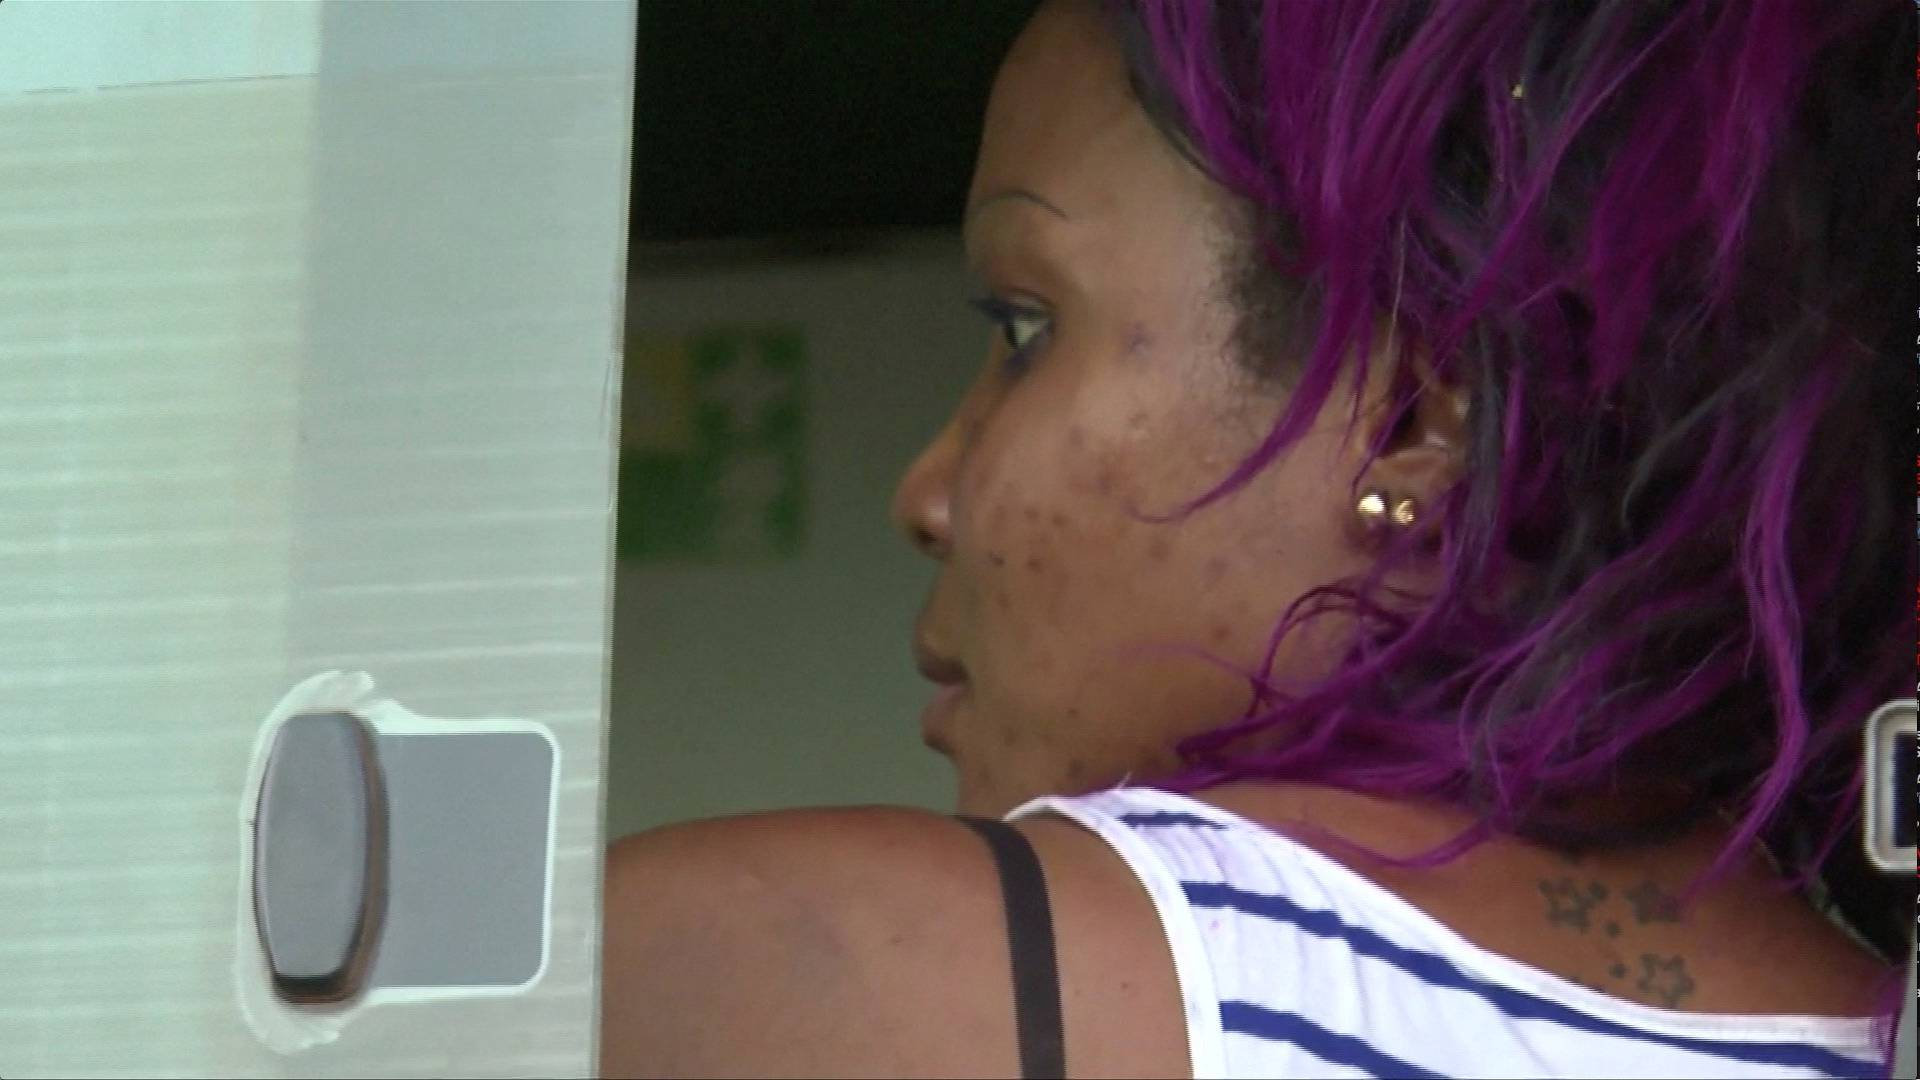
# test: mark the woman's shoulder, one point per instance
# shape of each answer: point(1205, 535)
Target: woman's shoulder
point(862, 939)
point(774, 943)
point(776, 842)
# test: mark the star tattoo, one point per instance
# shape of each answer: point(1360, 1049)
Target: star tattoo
point(1665, 979)
point(1568, 904)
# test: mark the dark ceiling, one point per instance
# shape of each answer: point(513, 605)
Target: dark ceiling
point(809, 118)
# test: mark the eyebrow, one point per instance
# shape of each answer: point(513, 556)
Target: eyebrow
point(1014, 195)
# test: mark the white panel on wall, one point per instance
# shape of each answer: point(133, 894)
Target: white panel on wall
point(297, 373)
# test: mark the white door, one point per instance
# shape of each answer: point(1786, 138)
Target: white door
point(308, 365)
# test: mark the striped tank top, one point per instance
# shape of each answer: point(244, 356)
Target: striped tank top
point(1290, 964)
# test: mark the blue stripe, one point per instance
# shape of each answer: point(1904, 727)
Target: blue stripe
point(1170, 817)
point(1247, 1018)
point(1438, 971)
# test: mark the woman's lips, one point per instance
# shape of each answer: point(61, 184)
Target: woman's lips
point(936, 720)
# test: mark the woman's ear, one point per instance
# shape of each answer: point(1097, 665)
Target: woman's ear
point(1420, 439)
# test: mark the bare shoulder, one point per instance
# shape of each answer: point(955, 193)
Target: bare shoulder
point(816, 942)
point(819, 844)
point(866, 941)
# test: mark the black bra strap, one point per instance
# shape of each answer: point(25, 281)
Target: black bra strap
point(1036, 975)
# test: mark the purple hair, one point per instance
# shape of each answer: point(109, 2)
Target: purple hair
point(1661, 247)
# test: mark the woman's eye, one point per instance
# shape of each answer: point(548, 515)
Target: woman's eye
point(1021, 326)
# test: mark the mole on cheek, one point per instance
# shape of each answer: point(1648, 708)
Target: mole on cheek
point(1137, 341)
point(1220, 633)
point(1033, 513)
point(1059, 520)
point(1158, 549)
point(997, 558)
point(1034, 564)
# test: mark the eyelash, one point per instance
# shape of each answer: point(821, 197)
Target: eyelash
point(1008, 316)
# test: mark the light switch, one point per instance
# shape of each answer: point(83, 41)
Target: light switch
point(320, 856)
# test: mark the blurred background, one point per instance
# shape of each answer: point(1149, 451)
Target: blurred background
point(796, 331)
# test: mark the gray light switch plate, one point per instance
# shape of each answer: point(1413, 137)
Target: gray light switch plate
point(398, 858)
point(389, 859)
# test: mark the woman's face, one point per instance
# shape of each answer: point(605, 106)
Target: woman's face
point(1059, 613)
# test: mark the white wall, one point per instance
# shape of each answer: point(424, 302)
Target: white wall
point(304, 364)
point(69, 45)
point(750, 687)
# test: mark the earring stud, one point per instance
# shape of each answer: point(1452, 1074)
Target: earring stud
point(1376, 510)
point(1372, 508)
point(1404, 512)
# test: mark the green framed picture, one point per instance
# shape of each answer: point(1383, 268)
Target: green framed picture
point(713, 447)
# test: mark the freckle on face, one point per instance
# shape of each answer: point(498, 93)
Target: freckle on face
point(997, 558)
point(1001, 508)
point(1059, 520)
point(1034, 564)
point(1158, 549)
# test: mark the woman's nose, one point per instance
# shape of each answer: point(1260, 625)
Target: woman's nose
point(922, 504)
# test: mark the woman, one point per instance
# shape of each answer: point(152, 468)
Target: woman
point(1413, 569)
